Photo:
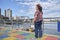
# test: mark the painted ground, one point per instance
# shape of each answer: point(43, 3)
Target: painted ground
point(6, 34)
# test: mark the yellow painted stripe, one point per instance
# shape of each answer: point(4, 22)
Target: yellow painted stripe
point(13, 34)
point(52, 35)
point(9, 38)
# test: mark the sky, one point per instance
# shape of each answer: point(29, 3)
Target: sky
point(51, 8)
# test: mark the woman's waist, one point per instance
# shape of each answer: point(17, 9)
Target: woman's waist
point(38, 21)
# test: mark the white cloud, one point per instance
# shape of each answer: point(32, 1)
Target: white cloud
point(21, 11)
point(50, 5)
point(56, 14)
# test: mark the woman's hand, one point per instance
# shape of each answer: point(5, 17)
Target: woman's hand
point(34, 20)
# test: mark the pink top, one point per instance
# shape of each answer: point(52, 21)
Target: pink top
point(38, 15)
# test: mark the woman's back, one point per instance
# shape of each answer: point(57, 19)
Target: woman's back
point(39, 15)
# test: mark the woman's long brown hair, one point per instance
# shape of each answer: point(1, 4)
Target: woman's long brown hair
point(39, 7)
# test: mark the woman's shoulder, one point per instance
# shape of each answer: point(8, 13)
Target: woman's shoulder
point(37, 11)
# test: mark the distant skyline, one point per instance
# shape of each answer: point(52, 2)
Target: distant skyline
point(51, 8)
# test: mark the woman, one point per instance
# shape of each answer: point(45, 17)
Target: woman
point(38, 18)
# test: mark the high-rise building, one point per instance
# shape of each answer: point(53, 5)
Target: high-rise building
point(5, 12)
point(0, 12)
point(8, 13)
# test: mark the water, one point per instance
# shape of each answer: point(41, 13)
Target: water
point(51, 28)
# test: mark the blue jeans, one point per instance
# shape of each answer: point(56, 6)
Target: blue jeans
point(38, 29)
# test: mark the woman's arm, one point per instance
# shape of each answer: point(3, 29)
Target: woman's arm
point(35, 16)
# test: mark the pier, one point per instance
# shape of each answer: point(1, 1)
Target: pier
point(24, 31)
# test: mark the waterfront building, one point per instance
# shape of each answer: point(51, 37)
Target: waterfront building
point(24, 17)
point(16, 17)
point(20, 17)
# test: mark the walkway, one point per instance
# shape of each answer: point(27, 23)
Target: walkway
point(6, 34)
